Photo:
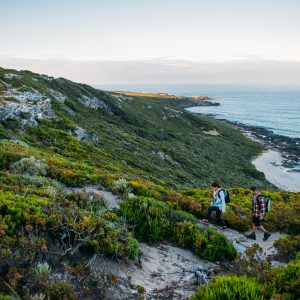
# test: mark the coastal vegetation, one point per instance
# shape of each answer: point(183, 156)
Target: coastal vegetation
point(155, 155)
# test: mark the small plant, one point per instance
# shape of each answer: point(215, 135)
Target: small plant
point(30, 166)
point(122, 187)
point(42, 269)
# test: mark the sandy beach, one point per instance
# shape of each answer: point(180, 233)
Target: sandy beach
point(270, 163)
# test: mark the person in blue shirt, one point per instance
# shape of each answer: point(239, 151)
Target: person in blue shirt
point(218, 205)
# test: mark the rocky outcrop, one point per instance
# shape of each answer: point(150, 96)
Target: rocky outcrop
point(85, 136)
point(57, 95)
point(26, 106)
point(92, 102)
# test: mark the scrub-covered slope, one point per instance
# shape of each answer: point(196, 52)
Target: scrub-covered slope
point(127, 136)
point(67, 149)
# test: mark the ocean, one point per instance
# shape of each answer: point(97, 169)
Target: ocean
point(273, 107)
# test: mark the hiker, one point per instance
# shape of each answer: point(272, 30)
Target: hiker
point(218, 205)
point(258, 211)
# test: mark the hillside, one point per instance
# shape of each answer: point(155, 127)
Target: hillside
point(132, 136)
point(101, 195)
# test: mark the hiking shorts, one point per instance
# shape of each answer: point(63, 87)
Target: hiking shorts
point(256, 221)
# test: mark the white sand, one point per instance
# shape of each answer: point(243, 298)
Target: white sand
point(270, 163)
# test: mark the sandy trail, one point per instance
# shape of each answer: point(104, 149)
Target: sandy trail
point(164, 270)
point(241, 243)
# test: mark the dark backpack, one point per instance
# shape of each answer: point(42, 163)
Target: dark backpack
point(267, 203)
point(227, 195)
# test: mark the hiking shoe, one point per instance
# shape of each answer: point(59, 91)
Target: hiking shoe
point(204, 221)
point(266, 236)
point(251, 236)
point(223, 227)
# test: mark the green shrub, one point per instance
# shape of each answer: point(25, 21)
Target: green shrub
point(3, 133)
point(218, 247)
point(286, 280)
point(287, 247)
point(30, 166)
point(7, 158)
point(132, 248)
point(154, 221)
point(208, 244)
point(148, 216)
point(232, 287)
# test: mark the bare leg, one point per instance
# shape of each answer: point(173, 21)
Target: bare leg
point(262, 228)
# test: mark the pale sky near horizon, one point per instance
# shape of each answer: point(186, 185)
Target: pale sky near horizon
point(169, 36)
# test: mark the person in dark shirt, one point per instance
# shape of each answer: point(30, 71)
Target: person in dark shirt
point(258, 211)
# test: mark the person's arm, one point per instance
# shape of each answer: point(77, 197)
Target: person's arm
point(261, 206)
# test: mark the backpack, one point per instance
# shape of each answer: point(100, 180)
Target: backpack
point(267, 203)
point(227, 196)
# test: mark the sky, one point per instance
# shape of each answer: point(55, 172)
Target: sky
point(157, 41)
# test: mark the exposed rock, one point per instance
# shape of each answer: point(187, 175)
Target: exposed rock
point(121, 97)
point(12, 76)
point(25, 106)
point(81, 134)
point(85, 136)
point(58, 96)
point(70, 111)
point(92, 102)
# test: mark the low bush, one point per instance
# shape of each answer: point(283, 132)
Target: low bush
point(30, 166)
point(7, 158)
point(208, 244)
point(232, 287)
point(286, 280)
point(154, 220)
point(287, 247)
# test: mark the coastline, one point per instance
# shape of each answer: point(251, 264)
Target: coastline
point(280, 162)
point(288, 147)
point(270, 163)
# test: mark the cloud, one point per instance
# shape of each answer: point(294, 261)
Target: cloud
point(164, 70)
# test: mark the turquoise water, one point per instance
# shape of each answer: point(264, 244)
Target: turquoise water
point(274, 108)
